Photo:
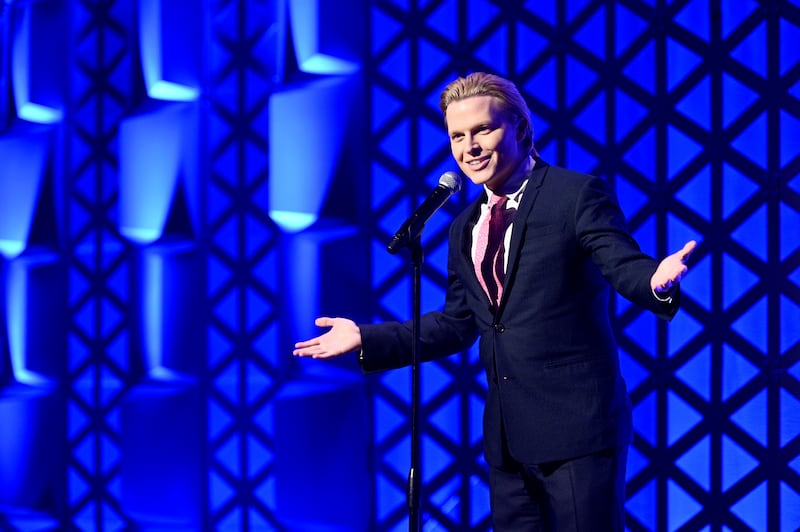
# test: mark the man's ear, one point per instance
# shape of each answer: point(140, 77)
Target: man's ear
point(521, 130)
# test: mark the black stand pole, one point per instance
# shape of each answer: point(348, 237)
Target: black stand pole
point(409, 236)
point(414, 498)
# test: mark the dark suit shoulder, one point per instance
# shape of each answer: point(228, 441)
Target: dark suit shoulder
point(470, 212)
point(559, 176)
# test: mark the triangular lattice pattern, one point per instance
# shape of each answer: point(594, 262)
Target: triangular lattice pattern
point(242, 273)
point(99, 296)
point(692, 109)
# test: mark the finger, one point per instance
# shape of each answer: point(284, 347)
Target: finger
point(307, 352)
point(677, 276)
point(307, 343)
point(687, 250)
point(324, 321)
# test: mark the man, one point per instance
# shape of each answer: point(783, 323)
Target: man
point(529, 268)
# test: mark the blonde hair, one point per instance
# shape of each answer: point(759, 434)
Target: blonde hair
point(484, 84)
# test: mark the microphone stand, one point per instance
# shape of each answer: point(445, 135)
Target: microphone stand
point(414, 495)
point(409, 236)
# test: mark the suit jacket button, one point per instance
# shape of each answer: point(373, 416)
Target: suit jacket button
point(499, 327)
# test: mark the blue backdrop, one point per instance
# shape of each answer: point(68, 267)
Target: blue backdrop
point(185, 185)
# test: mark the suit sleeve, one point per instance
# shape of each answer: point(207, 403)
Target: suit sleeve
point(388, 345)
point(602, 231)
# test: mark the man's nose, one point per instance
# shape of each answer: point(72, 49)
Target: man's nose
point(474, 148)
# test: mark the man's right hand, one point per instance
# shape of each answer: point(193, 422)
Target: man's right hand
point(343, 337)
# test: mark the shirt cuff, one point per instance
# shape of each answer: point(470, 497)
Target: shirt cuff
point(664, 298)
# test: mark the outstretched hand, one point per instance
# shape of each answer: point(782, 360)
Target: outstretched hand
point(672, 269)
point(343, 337)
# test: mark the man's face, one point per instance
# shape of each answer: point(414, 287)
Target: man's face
point(484, 141)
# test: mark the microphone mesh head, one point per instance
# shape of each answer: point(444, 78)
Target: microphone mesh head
point(451, 180)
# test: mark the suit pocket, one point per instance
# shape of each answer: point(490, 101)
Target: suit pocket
point(543, 230)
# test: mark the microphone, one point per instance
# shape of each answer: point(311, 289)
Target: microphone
point(449, 183)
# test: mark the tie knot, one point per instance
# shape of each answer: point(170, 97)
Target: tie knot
point(497, 200)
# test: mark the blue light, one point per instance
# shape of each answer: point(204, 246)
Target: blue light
point(169, 63)
point(167, 288)
point(165, 374)
point(311, 41)
point(154, 319)
point(26, 53)
point(326, 64)
point(140, 235)
point(151, 147)
point(153, 308)
point(33, 112)
point(11, 248)
point(293, 222)
point(307, 126)
point(17, 445)
point(165, 90)
point(21, 174)
point(17, 321)
point(303, 294)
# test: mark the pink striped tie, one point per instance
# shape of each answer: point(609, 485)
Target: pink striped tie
point(489, 249)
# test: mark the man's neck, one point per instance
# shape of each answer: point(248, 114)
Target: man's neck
point(516, 178)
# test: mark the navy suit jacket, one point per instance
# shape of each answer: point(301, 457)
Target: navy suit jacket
point(554, 385)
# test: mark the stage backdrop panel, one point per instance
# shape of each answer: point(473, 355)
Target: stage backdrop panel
point(185, 186)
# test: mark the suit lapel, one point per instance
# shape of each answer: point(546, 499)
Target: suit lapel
point(468, 221)
point(466, 233)
point(535, 182)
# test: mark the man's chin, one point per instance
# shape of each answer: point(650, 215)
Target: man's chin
point(478, 178)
